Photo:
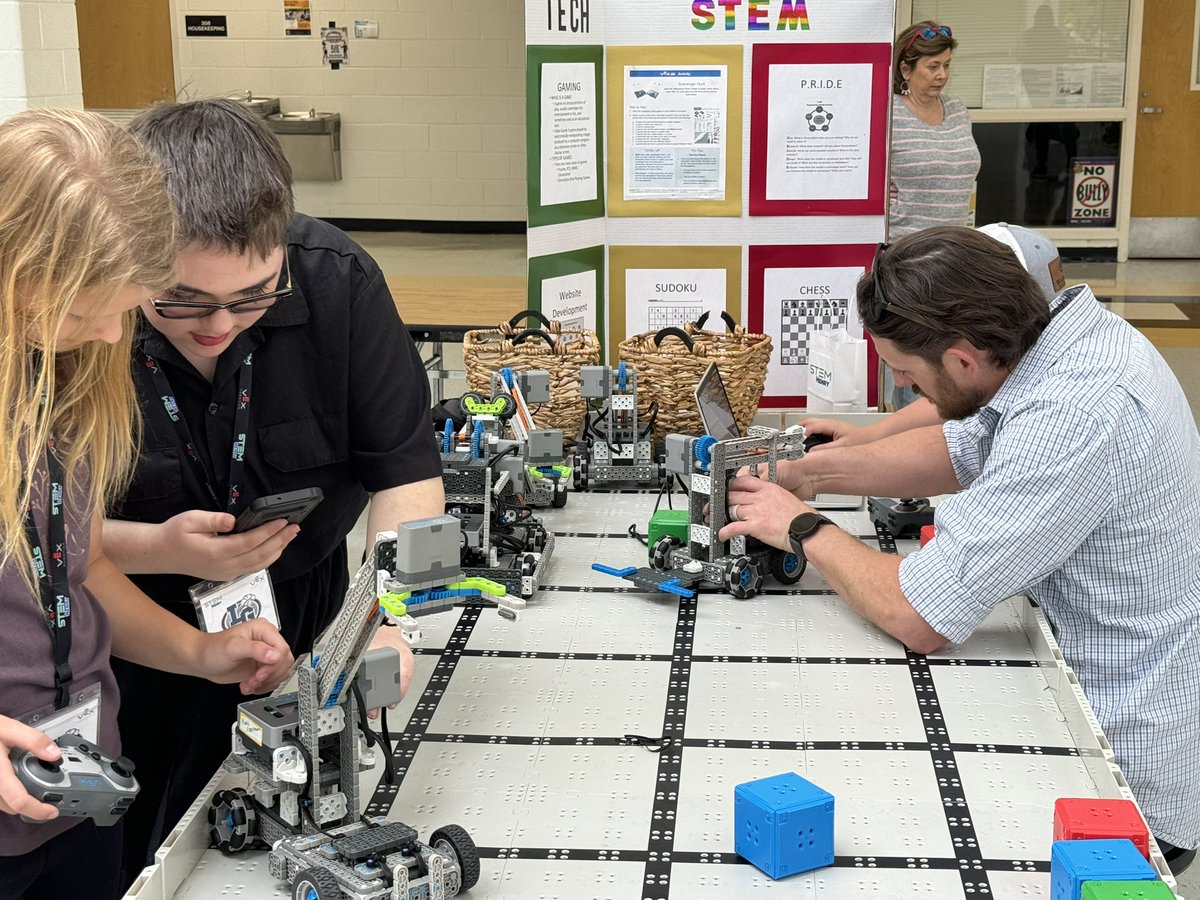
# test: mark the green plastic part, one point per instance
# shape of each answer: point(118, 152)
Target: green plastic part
point(485, 586)
point(393, 604)
point(668, 522)
point(484, 407)
point(1125, 890)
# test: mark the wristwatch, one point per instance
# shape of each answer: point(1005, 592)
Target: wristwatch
point(805, 526)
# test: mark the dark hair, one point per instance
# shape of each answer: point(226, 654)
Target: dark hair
point(227, 176)
point(902, 52)
point(972, 286)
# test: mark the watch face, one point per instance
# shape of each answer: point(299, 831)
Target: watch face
point(804, 525)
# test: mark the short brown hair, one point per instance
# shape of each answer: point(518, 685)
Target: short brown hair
point(968, 284)
point(908, 49)
point(228, 177)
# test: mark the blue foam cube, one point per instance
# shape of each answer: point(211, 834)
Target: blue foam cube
point(1074, 862)
point(783, 824)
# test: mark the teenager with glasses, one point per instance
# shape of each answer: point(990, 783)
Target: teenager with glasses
point(1072, 462)
point(933, 159)
point(276, 362)
point(86, 234)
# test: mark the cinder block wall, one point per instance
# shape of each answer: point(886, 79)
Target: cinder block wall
point(39, 55)
point(433, 123)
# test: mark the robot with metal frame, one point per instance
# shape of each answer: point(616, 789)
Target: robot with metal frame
point(736, 565)
point(613, 447)
point(546, 472)
point(501, 539)
point(303, 751)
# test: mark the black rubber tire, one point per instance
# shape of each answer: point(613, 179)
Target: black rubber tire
point(660, 553)
point(316, 884)
point(455, 837)
point(744, 578)
point(558, 499)
point(777, 563)
point(234, 803)
point(581, 473)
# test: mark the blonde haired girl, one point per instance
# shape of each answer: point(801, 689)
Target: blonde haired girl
point(86, 234)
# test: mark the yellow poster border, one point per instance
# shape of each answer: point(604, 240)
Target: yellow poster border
point(673, 56)
point(621, 259)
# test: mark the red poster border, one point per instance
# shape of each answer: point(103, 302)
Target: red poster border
point(766, 55)
point(805, 256)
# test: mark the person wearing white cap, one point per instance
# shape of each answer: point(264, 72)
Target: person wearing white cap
point(1038, 255)
point(1070, 462)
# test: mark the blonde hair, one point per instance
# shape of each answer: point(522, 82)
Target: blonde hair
point(82, 207)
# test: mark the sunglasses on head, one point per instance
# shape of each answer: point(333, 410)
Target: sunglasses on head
point(928, 34)
point(895, 310)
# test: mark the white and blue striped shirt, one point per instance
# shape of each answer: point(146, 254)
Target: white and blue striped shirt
point(1083, 491)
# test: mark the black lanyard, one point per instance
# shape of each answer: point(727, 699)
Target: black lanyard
point(51, 570)
point(241, 427)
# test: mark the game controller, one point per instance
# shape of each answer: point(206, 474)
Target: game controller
point(815, 440)
point(86, 783)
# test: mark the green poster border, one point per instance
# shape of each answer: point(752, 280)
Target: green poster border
point(535, 57)
point(569, 262)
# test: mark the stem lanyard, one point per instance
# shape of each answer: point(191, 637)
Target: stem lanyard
point(51, 570)
point(241, 426)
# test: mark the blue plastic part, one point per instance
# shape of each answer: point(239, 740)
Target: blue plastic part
point(1074, 862)
point(476, 440)
point(702, 449)
point(673, 586)
point(416, 598)
point(507, 375)
point(613, 570)
point(783, 824)
point(448, 436)
point(336, 692)
point(791, 562)
point(622, 378)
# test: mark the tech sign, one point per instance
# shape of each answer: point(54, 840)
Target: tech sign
point(1093, 191)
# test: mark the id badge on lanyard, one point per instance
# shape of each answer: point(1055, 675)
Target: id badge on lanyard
point(221, 605)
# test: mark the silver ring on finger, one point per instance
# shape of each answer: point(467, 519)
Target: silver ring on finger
point(734, 512)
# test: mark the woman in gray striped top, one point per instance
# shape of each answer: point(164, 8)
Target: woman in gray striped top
point(934, 160)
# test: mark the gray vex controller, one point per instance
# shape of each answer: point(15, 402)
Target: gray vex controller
point(86, 783)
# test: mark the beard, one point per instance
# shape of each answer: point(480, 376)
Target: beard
point(953, 402)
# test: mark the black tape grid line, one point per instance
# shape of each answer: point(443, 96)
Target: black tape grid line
point(409, 739)
point(971, 867)
point(656, 880)
point(660, 853)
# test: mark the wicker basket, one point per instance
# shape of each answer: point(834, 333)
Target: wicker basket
point(670, 362)
point(560, 351)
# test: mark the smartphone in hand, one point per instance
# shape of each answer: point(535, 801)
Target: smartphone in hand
point(290, 505)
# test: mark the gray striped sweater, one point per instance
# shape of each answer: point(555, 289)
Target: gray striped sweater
point(933, 168)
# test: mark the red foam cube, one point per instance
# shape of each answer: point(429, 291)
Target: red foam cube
point(926, 534)
point(1090, 818)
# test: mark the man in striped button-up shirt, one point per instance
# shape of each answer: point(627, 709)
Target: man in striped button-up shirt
point(1074, 464)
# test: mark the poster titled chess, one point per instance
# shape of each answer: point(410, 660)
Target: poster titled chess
point(794, 292)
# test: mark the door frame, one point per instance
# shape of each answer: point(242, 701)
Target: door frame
point(1065, 236)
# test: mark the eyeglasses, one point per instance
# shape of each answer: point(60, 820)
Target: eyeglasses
point(902, 312)
point(171, 308)
point(928, 34)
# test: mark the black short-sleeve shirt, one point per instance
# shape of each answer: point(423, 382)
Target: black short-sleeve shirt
point(339, 401)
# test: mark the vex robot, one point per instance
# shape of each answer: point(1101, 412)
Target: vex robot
point(303, 751)
point(613, 446)
point(739, 564)
point(489, 480)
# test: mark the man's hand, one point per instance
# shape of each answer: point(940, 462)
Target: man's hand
point(394, 637)
point(253, 654)
point(764, 510)
point(843, 435)
point(14, 799)
point(200, 546)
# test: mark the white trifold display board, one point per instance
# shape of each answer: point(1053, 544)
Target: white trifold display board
point(785, 172)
